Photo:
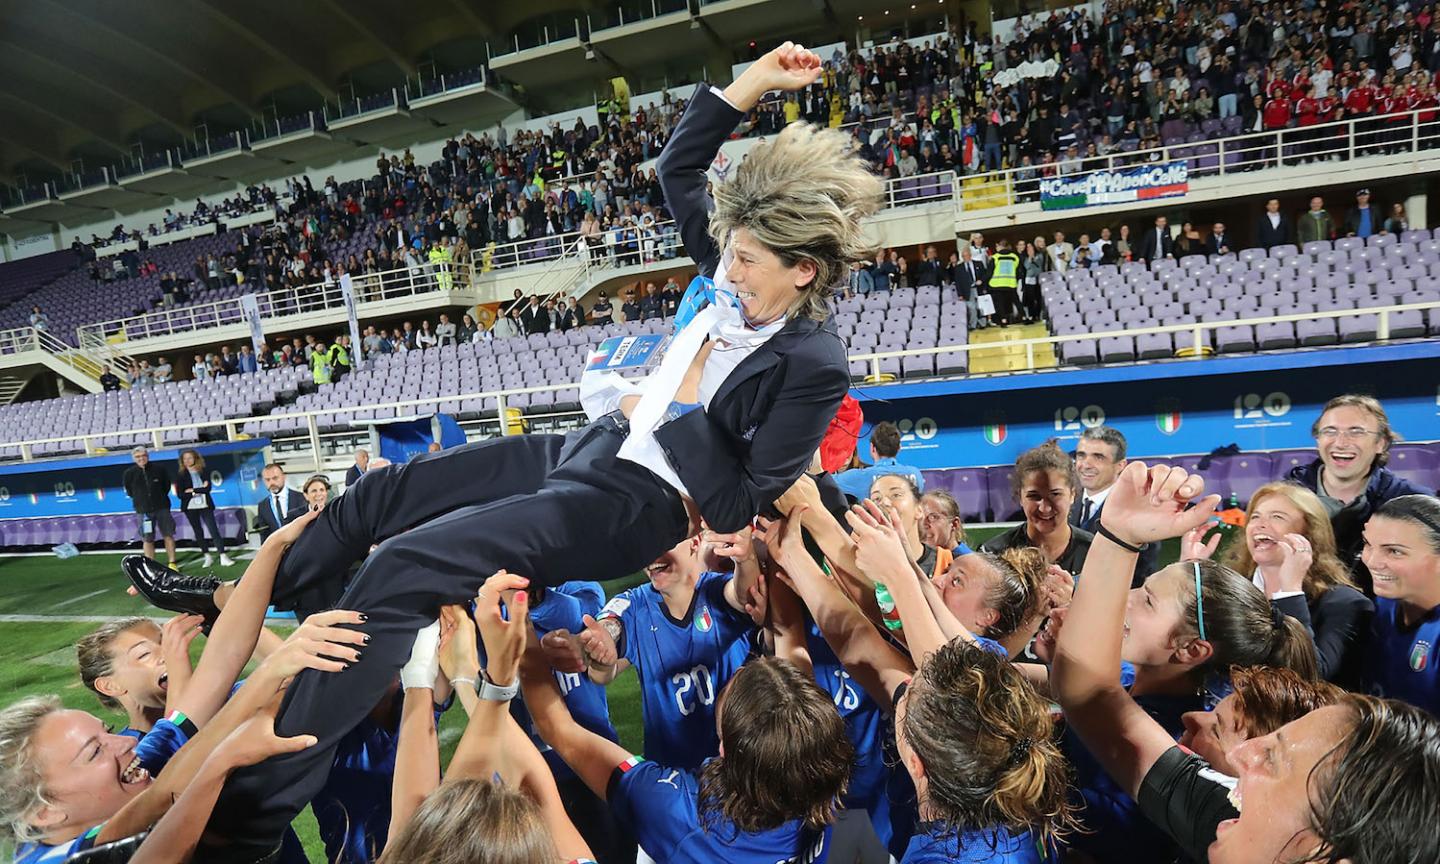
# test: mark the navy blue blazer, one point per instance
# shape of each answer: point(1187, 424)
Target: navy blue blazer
point(765, 422)
point(268, 521)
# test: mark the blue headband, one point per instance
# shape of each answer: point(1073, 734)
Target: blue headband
point(1199, 601)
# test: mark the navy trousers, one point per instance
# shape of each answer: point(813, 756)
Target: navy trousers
point(592, 516)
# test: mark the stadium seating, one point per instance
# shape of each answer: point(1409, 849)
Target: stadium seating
point(19, 279)
point(114, 529)
point(175, 403)
point(1322, 277)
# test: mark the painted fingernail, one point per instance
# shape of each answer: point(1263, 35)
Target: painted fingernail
point(364, 617)
point(365, 640)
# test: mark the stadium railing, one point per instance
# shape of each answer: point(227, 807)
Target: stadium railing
point(1410, 132)
point(508, 423)
point(401, 282)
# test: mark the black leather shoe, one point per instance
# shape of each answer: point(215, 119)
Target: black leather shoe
point(166, 589)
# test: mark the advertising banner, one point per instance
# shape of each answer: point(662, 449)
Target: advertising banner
point(1141, 183)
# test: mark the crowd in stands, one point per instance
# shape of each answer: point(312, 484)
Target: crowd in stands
point(1066, 90)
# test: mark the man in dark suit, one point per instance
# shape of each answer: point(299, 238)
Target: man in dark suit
point(723, 459)
point(1274, 229)
point(281, 505)
point(970, 276)
point(928, 271)
point(534, 318)
point(1219, 242)
point(1157, 243)
point(1099, 459)
point(362, 464)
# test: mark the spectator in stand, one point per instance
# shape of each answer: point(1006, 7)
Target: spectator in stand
point(1354, 438)
point(229, 363)
point(1219, 242)
point(246, 362)
point(1363, 220)
point(564, 317)
point(39, 320)
point(883, 274)
point(109, 381)
point(466, 332)
point(148, 485)
point(426, 337)
point(1157, 243)
point(884, 453)
point(163, 372)
point(370, 343)
point(970, 280)
point(200, 369)
point(601, 313)
point(508, 325)
point(927, 272)
point(1274, 229)
point(670, 295)
point(651, 305)
point(445, 331)
point(630, 309)
point(281, 504)
point(533, 317)
point(356, 471)
point(1315, 223)
point(1061, 252)
point(1397, 223)
point(192, 485)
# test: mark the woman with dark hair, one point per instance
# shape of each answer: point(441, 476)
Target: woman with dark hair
point(1290, 548)
point(1044, 484)
point(1402, 552)
point(769, 796)
point(899, 492)
point(193, 488)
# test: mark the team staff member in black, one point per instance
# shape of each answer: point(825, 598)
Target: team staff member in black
point(148, 485)
point(741, 427)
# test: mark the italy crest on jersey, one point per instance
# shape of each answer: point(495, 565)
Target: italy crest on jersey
point(1420, 656)
point(703, 621)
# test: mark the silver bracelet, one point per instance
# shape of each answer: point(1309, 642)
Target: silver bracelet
point(470, 681)
point(490, 691)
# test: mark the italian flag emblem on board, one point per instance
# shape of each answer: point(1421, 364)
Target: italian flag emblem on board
point(1420, 656)
point(99, 494)
point(1168, 422)
point(995, 434)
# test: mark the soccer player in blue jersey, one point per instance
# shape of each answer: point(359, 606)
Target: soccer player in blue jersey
point(767, 798)
point(559, 609)
point(1402, 552)
point(971, 733)
point(685, 633)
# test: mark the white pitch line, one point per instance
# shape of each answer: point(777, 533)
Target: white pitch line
point(81, 597)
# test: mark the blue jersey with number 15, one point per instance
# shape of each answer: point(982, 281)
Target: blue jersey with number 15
point(683, 665)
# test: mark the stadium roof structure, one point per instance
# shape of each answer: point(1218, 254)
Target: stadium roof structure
point(87, 83)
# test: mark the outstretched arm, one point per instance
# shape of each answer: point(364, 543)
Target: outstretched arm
point(1145, 505)
point(869, 659)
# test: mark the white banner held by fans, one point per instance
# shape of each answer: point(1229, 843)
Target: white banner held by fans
point(347, 293)
point(250, 308)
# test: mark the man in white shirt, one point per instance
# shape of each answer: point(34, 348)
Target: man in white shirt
point(1099, 459)
point(445, 330)
point(1061, 252)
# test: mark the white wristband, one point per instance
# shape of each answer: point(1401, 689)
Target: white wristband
point(493, 692)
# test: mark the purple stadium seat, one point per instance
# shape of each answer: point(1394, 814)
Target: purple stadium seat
point(1003, 506)
point(1418, 463)
point(969, 488)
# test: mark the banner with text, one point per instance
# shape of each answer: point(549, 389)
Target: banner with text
point(250, 308)
point(1120, 186)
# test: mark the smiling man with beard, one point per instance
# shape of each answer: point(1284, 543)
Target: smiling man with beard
point(1354, 438)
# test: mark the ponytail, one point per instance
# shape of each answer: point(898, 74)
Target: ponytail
point(1228, 611)
point(1015, 597)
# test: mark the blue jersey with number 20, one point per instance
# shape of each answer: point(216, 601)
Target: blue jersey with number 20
point(683, 665)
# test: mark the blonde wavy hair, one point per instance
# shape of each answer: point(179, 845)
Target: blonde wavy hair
point(21, 788)
point(1326, 571)
point(803, 196)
